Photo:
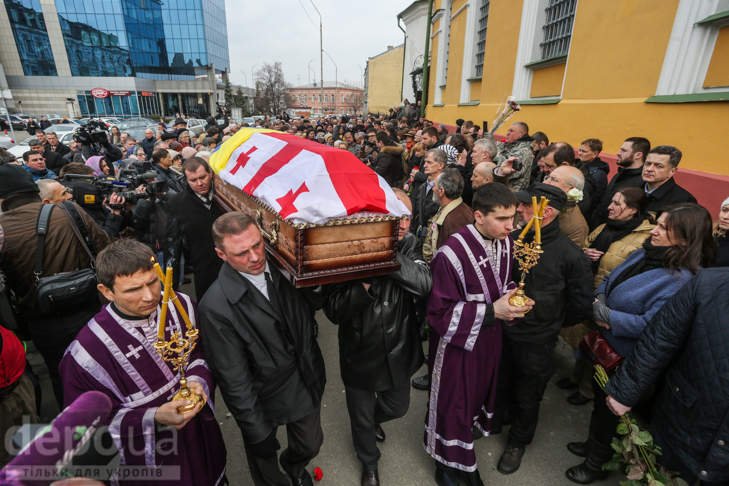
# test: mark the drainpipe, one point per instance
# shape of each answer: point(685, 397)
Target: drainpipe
point(426, 60)
point(404, 48)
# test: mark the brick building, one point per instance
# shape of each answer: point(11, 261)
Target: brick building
point(338, 99)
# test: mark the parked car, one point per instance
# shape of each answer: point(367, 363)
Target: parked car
point(6, 141)
point(137, 132)
point(195, 126)
point(16, 122)
point(146, 121)
point(249, 120)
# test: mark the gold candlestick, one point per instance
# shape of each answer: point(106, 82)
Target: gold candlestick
point(177, 351)
point(527, 254)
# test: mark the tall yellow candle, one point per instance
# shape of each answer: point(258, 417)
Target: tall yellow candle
point(174, 298)
point(165, 302)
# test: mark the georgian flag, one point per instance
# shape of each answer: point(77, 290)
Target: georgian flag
point(303, 181)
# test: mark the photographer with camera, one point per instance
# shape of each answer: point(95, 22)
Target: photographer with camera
point(94, 140)
point(65, 234)
point(162, 163)
point(222, 111)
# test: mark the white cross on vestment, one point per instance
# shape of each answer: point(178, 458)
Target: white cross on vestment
point(134, 351)
point(483, 262)
point(170, 328)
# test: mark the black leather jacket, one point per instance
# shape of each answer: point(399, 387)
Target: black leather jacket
point(379, 347)
point(266, 359)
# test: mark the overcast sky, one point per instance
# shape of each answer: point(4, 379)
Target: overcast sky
point(279, 30)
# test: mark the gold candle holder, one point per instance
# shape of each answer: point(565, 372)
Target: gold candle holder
point(527, 254)
point(178, 349)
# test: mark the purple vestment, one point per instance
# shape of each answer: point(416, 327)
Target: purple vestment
point(469, 272)
point(116, 357)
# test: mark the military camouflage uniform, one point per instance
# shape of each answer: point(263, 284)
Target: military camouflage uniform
point(522, 149)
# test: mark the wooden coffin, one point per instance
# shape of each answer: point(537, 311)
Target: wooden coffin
point(311, 254)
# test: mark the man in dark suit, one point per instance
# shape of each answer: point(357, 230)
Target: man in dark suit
point(660, 186)
point(190, 218)
point(266, 361)
point(54, 145)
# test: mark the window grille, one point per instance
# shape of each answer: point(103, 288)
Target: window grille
point(558, 28)
point(483, 19)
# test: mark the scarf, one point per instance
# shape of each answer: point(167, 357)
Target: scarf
point(614, 231)
point(652, 259)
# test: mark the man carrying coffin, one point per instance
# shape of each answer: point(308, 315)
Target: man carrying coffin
point(469, 303)
point(114, 354)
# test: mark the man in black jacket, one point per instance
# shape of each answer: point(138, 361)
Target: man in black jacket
point(425, 206)
point(162, 163)
point(189, 225)
point(54, 162)
point(267, 362)
point(211, 122)
point(562, 153)
point(561, 286)
point(54, 145)
point(379, 347)
point(688, 339)
point(631, 157)
point(148, 142)
point(660, 186)
point(589, 155)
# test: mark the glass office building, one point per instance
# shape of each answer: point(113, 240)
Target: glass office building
point(156, 40)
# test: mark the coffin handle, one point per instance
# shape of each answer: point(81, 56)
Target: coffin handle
point(273, 235)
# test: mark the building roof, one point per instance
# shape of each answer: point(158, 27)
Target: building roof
point(383, 53)
point(415, 3)
point(327, 84)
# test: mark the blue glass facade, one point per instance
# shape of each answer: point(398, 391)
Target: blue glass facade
point(31, 37)
point(153, 39)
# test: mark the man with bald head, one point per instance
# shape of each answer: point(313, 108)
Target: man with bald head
point(378, 315)
point(483, 174)
point(517, 144)
point(562, 154)
point(571, 221)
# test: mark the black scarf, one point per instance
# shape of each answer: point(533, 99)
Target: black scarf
point(614, 231)
point(652, 259)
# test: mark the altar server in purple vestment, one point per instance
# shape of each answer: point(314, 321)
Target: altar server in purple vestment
point(472, 285)
point(114, 354)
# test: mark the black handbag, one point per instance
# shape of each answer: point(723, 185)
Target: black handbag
point(65, 291)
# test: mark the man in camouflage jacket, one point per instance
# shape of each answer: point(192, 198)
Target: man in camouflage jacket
point(517, 144)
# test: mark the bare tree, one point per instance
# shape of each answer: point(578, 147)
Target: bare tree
point(272, 90)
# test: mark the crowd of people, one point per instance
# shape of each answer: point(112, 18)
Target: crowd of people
point(625, 264)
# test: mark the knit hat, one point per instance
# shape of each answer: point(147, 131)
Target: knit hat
point(173, 153)
point(207, 141)
point(15, 180)
point(726, 201)
point(188, 153)
point(451, 152)
point(177, 146)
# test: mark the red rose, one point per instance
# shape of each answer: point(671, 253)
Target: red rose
point(318, 474)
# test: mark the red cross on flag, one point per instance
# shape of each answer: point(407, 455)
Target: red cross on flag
point(303, 181)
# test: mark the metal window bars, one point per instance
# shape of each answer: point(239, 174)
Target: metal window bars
point(483, 19)
point(558, 28)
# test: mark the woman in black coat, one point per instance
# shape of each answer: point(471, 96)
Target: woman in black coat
point(689, 339)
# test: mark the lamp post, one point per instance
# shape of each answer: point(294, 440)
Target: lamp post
point(307, 71)
point(336, 82)
point(321, 54)
point(244, 74)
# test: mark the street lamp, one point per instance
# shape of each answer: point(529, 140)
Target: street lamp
point(321, 53)
point(336, 82)
point(252, 76)
point(362, 75)
point(244, 74)
point(307, 71)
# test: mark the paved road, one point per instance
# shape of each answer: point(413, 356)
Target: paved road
point(404, 462)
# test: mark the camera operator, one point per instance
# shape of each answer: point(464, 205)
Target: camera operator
point(162, 163)
point(94, 140)
point(212, 123)
point(149, 216)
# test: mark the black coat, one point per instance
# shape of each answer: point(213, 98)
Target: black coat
point(379, 347)
point(588, 193)
point(666, 194)
point(560, 284)
point(266, 379)
point(173, 180)
point(389, 163)
point(424, 208)
point(31, 127)
point(722, 258)
point(54, 161)
point(688, 337)
point(624, 178)
point(148, 146)
point(599, 171)
point(61, 149)
point(190, 226)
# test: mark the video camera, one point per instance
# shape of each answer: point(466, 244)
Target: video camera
point(94, 132)
point(90, 191)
